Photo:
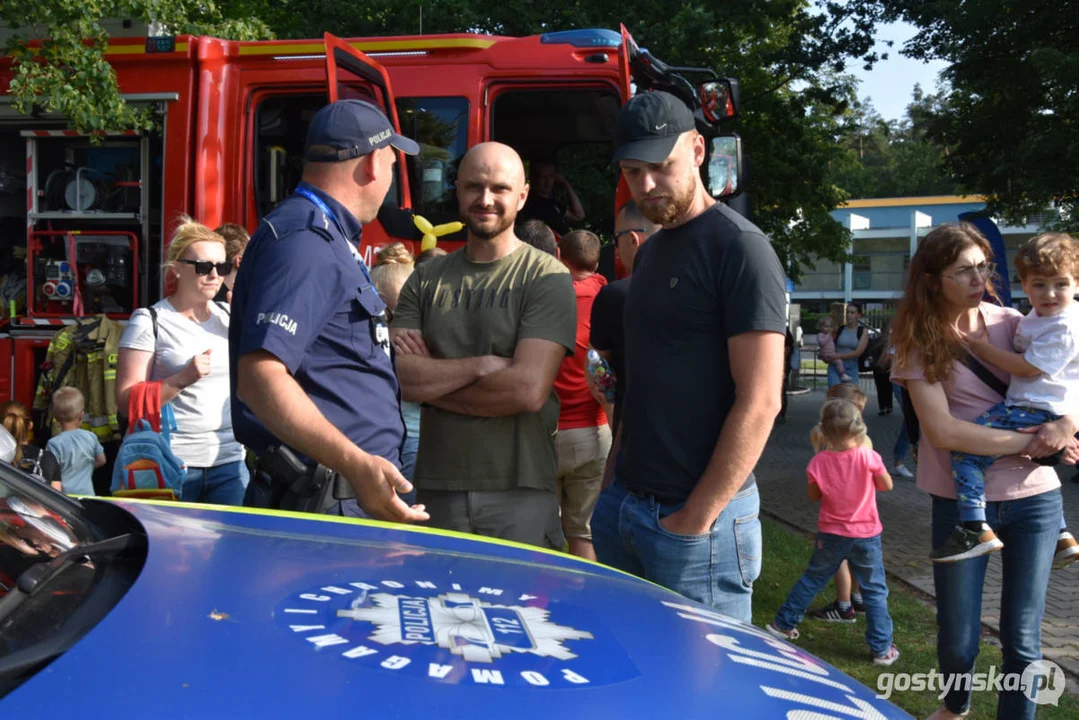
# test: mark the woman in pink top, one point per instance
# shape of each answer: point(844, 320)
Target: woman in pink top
point(949, 275)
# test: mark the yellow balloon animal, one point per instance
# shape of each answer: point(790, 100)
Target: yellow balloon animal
point(431, 233)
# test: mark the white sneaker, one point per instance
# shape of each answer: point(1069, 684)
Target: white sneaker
point(902, 471)
point(1067, 551)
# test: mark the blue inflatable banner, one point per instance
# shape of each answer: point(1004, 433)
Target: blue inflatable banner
point(989, 229)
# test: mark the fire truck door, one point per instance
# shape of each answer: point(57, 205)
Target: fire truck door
point(352, 75)
point(624, 71)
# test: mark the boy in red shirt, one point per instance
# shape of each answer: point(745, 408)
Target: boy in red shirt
point(584, 438)
point(844, 476)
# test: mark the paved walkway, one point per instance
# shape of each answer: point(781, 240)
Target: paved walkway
point(905, 513)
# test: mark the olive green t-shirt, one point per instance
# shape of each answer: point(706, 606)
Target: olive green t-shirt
point(468, 309)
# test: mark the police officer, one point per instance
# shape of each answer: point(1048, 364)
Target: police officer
point(314, 392)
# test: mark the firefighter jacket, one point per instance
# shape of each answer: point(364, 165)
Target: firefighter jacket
point(84, 355)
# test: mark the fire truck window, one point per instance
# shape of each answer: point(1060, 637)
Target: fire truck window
point(573, 128)
point(280, 128)
point(280, 131)
point(440, 126)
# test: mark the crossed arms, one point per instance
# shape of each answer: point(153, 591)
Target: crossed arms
point(482, 386)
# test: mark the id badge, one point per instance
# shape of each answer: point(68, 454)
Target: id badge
point(380, 332)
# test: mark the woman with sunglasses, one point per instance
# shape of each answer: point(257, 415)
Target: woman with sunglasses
point(949, 276)
point(182, 342)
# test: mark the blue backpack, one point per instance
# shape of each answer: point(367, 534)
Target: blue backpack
point(145, 465)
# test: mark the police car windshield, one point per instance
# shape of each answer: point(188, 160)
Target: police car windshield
point(55, 554)
point(36, 524)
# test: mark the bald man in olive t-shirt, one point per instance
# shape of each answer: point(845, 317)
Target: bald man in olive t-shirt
point(480, 335)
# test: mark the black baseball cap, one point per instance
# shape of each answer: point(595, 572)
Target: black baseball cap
point(649, 126)
point(352, 128)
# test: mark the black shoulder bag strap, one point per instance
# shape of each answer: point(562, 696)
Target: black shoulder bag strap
point(986, 375)
point(910, 417)
point(153, 318)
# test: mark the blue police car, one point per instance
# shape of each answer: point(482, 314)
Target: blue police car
point(126, 609)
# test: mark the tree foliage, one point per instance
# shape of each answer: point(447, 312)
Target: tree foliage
point(892, 158)
point(58, 62)
point(1010, 116)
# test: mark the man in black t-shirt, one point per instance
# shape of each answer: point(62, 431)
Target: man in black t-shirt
point(541, 203)
point(631, 229)
point(704, 323)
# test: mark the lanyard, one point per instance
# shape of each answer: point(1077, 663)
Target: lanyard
point(318, 202)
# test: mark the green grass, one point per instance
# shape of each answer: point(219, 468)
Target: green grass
point(786, 555)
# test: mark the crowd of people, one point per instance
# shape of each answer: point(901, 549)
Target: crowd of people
point(452, 388)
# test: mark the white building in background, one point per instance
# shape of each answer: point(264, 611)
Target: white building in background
point(886, 233)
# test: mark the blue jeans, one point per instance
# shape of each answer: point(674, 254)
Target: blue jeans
point(852, 370)
point(865, 558)
point(1029, 528)
point(902, 441)
point(408, 465)
point(968, 471)
point(218, 485)
point(717, 568)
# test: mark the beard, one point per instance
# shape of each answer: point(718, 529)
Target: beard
point(675, 206)
point(489, 230)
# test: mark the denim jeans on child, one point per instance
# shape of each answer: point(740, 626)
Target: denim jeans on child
point(1029, 528)
point(968, 471)
point(717, 568)
point(865, 558)
point(218, 485)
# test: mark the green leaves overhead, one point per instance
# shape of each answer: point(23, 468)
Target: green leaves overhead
point(1009, 118)
point(58, 54)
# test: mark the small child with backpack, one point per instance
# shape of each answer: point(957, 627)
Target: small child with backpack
point(78, 451)
point(845, 476)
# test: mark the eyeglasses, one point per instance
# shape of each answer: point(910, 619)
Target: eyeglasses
point(964, 275)
point(627, 232)
point(205, 267)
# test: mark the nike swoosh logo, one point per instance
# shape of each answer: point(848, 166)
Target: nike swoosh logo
point(660, 127)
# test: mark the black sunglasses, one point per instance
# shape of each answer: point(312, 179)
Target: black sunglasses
point(627, 232)
point(205, 267)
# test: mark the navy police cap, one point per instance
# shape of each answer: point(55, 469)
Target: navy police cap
point(352, 128)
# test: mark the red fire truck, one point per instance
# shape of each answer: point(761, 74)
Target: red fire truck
point(87, 223)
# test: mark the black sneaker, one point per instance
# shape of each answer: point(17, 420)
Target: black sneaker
point(859, 607)
point(833, 613)
point(963, 544)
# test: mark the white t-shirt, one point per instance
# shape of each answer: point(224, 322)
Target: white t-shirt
point(203, 412)
point(1050, 344)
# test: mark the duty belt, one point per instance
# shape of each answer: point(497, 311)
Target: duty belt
point(294, 485)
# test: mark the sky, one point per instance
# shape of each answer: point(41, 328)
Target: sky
point(890, 83)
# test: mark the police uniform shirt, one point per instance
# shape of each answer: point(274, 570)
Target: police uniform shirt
point(303, 296)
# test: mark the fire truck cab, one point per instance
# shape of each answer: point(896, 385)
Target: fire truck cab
point(87, 224)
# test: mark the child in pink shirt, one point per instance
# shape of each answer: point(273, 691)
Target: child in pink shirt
point(845, 476)
point(826, 347)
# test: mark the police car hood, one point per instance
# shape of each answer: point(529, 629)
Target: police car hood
point(241, 613)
